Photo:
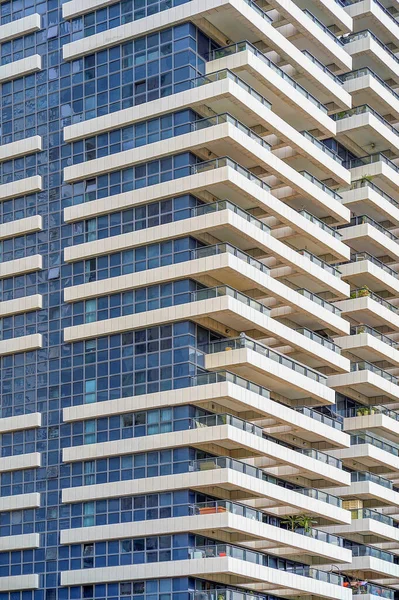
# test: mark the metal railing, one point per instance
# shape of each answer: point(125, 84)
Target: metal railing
point(366, 293)
point(336, 423)
point(227, 377)
point(367, 513)
point(354, 37)
point(371, 159)
point(372, 589)
point(361, 183)
point(320, 301)
point(224, 248)
point(225, 161)
point(222, 506)
point(322, 147)
point(246, 342)
point(360, 256)
point(227, 118)
point(219, 205)
point(320, 223)
point(362, 110)
point(359, 329)
point(319, 339)
point(364, 365)
point(320, 263)
point(224, 290)
point(363, 72)
point(227, 74)
point(247, 46)
point(325, 69)
point(258, 558)
point(323, 27)
point(359, 476)
point(225, 462)
point(365, 438)
point(322, 186)
point(365, 220)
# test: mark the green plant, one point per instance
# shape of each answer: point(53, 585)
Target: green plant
point(361, 292)
point(362, 411)
point(367, 178)
point(294, 522)
point(306, 523)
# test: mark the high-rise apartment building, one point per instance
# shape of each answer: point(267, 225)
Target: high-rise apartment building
point(199, 299)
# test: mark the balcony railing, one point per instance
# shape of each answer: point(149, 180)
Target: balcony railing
point(325, 69)
point(372, 589)
point(363, 550)
point(227, 118)
point(360, 256)
point(365, 220)
point(366, 293)
point(228, 594)
point(320, 301)
point(225, 462)
point(246, 342)
point(226, 376)
point(336, 423)
point(361, 183)
point(322, 147)
point(359, 476)
point(363, 110)
point(247, 46)
point(322, 186)
point(219, 205)
point(354, 37)
point(365, 411)
point(359, 329)
point(224, 248)
point(367, 366)
point(227, 74)
point(224, 290)
point(320, 223)
point(222, 506)
point(225, 161)
point(258, 558)
point(371, 159)
point(320, 263)
point(367, 513)
point(364, 438)
point(319, 339)
point(364, 72)
point(323, 27)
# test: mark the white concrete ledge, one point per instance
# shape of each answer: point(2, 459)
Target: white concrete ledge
point(20, 148)
point(19, 502)
point(27, 421)
point(20, 187)
point(19, 68)
point(29, 264)
point(19, 583)
point(20, 27)
point(21, 305)
point(26, 541)
point(20, 462)
point(24, 343)
point(21, 227)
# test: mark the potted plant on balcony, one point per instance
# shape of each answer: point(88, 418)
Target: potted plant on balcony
point(361, 292)
point(361, 411)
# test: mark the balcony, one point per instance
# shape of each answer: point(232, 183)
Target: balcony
point(369, 344)
point(364, 197)
point(369, 271)
point(267, 367)
point(371, 13)
point(378, 420)
point(368, 51)
point(364, 234)
point(366, 87)
point(368, 382)
point(362, 123)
